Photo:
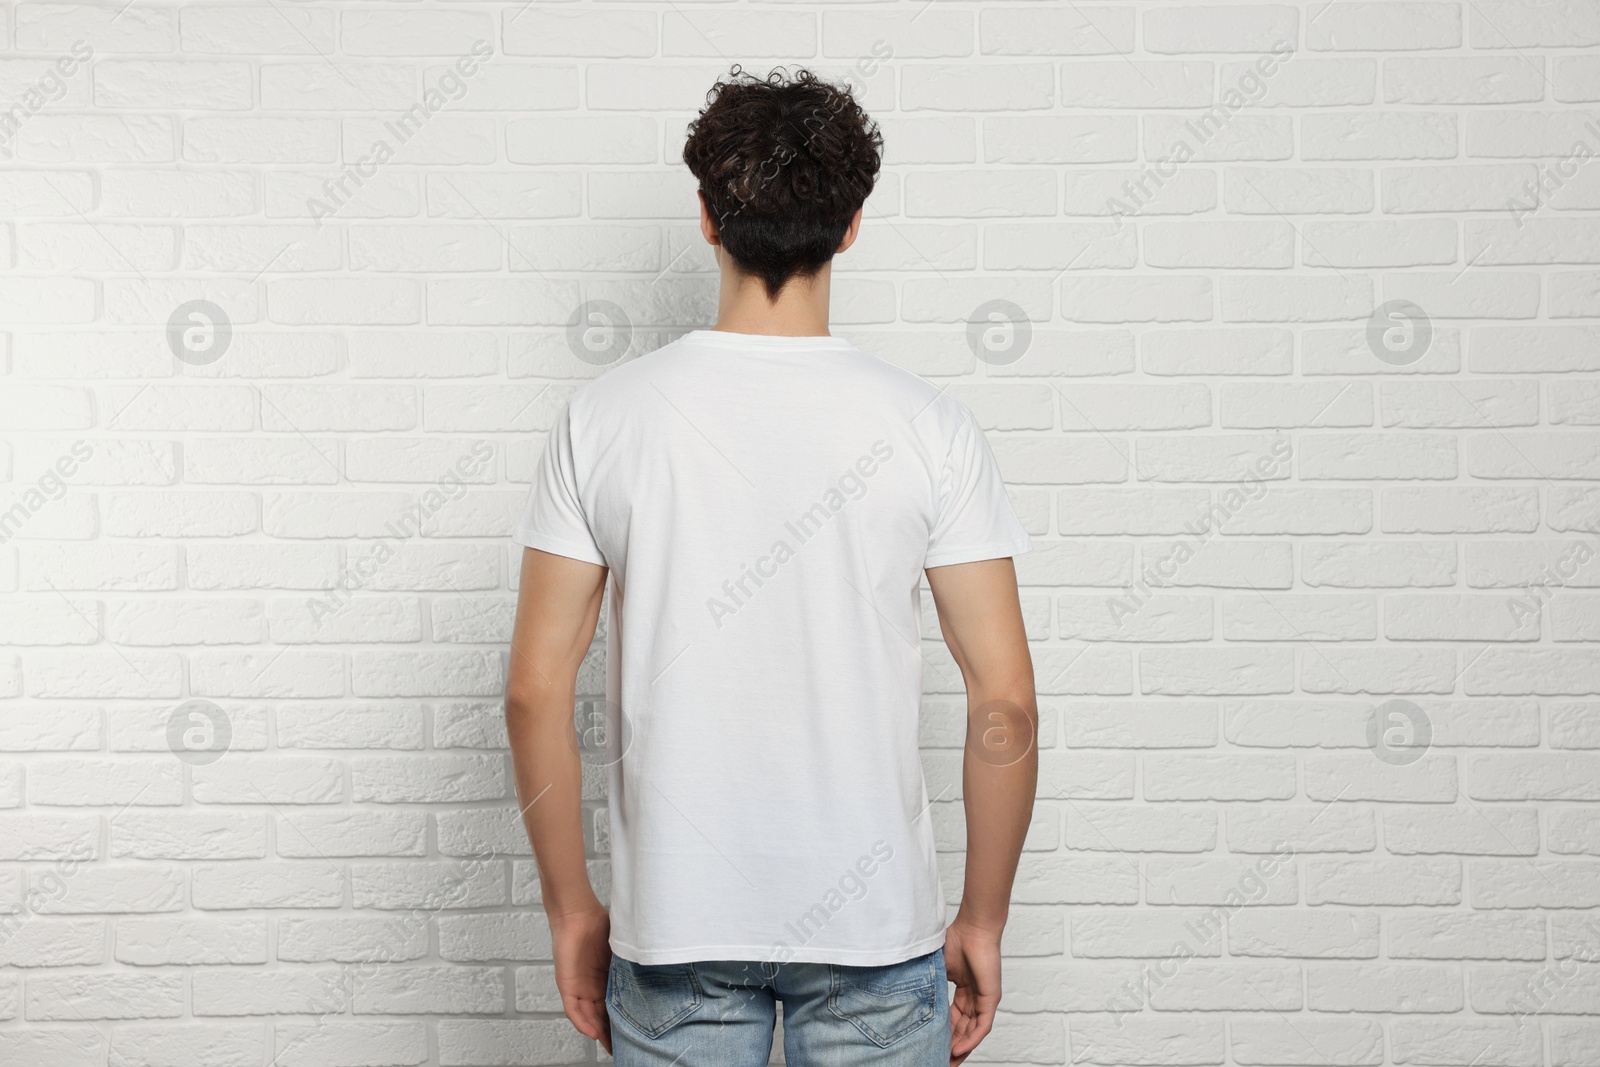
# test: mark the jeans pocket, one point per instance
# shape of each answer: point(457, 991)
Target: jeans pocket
point(886, 1003)
point(653, 999)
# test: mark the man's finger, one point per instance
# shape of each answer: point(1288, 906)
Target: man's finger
point(586, 1017)
point(602, 1024)
point(975, 1028)
point(973, 1033)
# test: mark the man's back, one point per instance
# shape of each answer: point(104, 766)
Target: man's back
point(762, 500)
point(766, 505)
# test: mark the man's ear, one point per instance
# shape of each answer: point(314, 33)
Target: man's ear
point(708, 229)
point(850, 233)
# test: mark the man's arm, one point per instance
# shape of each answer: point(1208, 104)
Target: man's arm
point(557, 607)
point(981, 618)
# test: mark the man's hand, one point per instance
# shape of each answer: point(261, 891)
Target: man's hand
point(583, 959)
point(972, 962)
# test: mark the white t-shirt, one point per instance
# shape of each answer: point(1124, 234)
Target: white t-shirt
point(766, 506)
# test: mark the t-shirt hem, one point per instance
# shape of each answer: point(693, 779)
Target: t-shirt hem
point(973, 553)
point(854, 957)
point(545, 543)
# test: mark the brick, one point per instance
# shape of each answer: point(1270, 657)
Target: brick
point(1261, 1040)
point(1385, 26)
point(1447, 935)
point(1031, 31)
point(1393, 882)
point(1378, 564)
point(1494, 831)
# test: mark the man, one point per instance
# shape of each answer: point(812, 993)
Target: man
point(765, 499)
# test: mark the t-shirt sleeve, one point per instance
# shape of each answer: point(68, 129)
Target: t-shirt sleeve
point(975, 519)
point(553, 519)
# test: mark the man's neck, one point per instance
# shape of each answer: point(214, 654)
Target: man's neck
point(801, 309)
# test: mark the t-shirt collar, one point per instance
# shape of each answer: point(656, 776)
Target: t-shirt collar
point(765, 340)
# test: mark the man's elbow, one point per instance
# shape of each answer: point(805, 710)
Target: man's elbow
point(527, 701)
point(1003, 731)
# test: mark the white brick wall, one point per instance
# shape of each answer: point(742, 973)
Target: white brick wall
point(1265, 508)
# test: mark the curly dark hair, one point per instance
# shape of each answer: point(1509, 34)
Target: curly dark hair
point(784, 162)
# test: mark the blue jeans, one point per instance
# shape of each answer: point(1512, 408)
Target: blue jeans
point(721, 1014)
